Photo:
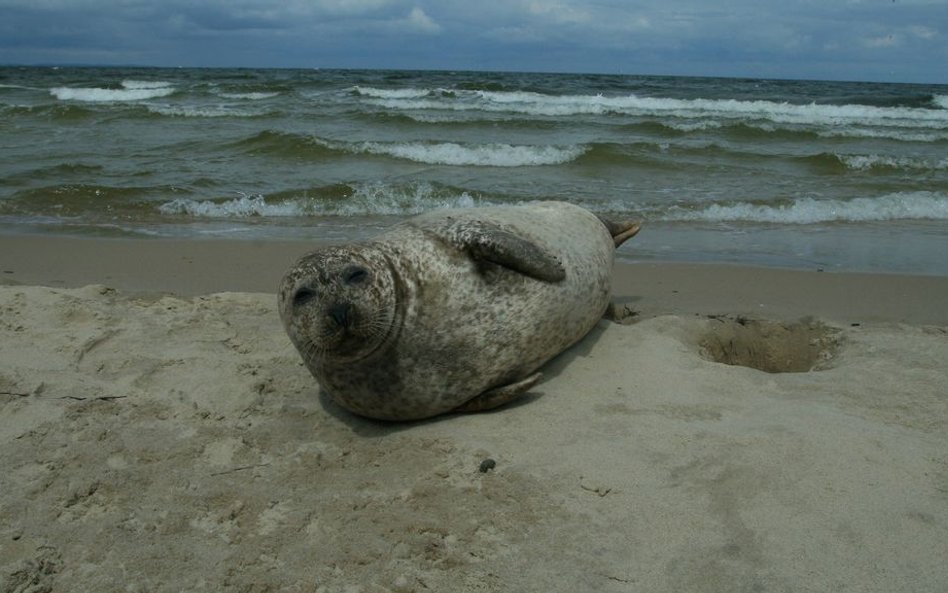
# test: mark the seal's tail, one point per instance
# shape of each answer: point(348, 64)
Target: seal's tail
point(621, 230)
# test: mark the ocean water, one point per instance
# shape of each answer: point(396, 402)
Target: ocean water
point(830, 175)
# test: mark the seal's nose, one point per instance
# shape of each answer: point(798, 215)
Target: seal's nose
point(341, 314)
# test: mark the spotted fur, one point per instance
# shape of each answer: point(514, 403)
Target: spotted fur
point(448, 305)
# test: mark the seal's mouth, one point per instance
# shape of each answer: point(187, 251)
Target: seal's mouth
point(343, 333)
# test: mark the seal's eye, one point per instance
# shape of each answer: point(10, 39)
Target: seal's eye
point(356, 275)
point(303, 296)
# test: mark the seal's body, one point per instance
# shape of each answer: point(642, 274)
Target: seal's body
point(450, 310)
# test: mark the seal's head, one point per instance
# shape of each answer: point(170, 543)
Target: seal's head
point(339, 304)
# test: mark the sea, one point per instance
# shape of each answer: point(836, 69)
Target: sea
point(833, 176)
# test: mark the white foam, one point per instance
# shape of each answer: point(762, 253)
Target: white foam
point(145, 84)
point(724, 109)
point(242, 207)
point(98, 95)
point(391, 93)
point(202, 111)
point(381, 199)
point(898, 206)
point(696, 126)
point(941, 101)
point(884, 133)
point(367, 200)
point(872, 161)
point(487, 155)
point(248, 96)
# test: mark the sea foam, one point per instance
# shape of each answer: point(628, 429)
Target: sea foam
point(536, 104)
point(204, 111)
point(368, 199)
point(132, 90)
point(898, 206)
point(872, 161)
point(487, 155)
point(249, 96)
point(390, 93)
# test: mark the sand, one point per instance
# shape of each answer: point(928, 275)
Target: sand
point(159, 433)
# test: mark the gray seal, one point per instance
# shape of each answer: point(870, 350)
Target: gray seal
point(453, 310)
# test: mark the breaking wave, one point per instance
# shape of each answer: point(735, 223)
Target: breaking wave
point(258, 96)
point(485, 155)
point(872, 161)
point(362, 200)
point(206, 111)
point(898, 206)
point(537, 104)
point(132, 90)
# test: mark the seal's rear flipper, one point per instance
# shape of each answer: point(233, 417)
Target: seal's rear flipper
point(621, 231)
point(498, 396)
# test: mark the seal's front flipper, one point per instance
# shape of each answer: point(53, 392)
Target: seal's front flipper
point(622, 230)
point(498, 396)
point(493, 244)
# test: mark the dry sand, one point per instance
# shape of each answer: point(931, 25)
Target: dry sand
point(155, 436)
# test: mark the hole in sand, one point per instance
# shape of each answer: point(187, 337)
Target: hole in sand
point(770, 346)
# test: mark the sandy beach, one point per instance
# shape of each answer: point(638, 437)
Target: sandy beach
point(158, 432)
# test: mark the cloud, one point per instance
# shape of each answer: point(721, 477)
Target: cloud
point(560, 12)
point(421, 22)
point(883, 41)
point(767, 38)
point(923, 32)
point(348, 7)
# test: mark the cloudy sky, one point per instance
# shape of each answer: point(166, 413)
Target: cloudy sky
point(879, 40)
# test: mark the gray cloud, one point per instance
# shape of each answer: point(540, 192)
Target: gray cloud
point(880, 40)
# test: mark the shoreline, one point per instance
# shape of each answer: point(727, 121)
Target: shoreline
point(190, 267)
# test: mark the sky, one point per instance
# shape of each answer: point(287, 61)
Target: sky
point(871, 40)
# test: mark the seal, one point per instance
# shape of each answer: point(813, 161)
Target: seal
point(453, 310)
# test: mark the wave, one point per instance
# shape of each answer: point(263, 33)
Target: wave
point(145, 84)
point(884, 134)
point(484, 155)
point(872, 161)
point(940, 101)
point(255, 96)
point(84, 199)
point(433, 153)
point(834, 163)
point(207, 111)
point(285, 144)
point(391, 93)
point(18, 87)
point(369, 199)
point(56, 111)
point(132, 90)
point(536, 104)
point(380, 199)
point(898, 206)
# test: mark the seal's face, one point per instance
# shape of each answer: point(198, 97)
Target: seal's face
point(338, 304)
